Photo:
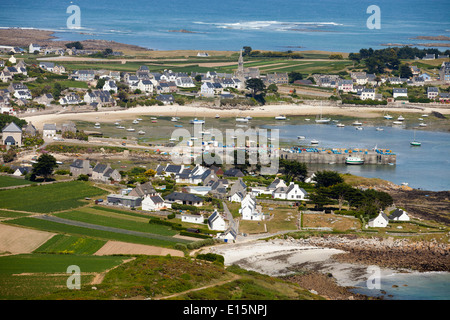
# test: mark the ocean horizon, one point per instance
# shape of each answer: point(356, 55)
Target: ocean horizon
point(282, 25)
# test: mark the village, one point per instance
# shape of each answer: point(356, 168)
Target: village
point(126, 195)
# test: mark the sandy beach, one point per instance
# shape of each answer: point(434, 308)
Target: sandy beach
point(196, 110)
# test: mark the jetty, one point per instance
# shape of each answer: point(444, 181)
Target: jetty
point(338, 155)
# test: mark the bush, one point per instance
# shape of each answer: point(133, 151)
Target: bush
point(83, 177)
point(212, 257)
point(201, 243)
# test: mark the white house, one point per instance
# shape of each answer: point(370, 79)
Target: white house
point(145, 86)
point(110, 85)
point(249, 210)
point(49, 130)
point(367, 93)
point(400, 92)
point(381, 221)
point(217, 222)
point(192, 218)
point(34, 47)
point(154, 203)
point(399, 215)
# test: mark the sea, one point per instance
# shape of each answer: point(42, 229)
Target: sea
point(426, 167)
point(330, 25)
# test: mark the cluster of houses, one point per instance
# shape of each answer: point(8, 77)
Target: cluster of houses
point(363, 84)
point(382, 220)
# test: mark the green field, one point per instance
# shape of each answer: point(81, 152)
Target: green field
point(150, 239)
point(9, 181)
point(28, 276)
point(70, 245)
point(49, 198)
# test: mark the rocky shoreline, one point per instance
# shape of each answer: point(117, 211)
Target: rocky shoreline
point(422, 256)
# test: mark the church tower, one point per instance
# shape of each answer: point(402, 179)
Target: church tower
point(240, 70)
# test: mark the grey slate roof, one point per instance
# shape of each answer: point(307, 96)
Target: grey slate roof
point(12, 127)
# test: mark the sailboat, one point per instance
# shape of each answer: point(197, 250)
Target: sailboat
point(415, 143)
point(321, 119)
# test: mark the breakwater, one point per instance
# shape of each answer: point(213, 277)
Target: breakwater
point(331, 156)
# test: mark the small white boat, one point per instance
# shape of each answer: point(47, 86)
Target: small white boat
point(379, 129)
point(420, 119)
point(314, 141)
point(397, 122)
point(340, 125)
point(217, 116)
point(400, 118)
point(245, 120)
point(131, 129)
point(97, 124)
point(357, 123)
point(422, 125)
point(388, 117)
point(139, 119)
point(424, 115)
point(174, 119)
point(248, 117)
point(135, 122)
point(141, 132)
point(359, 128)
point(117, 123)
point(196, 121)
point(153, 118)
point(280, 117)
point(301, 137)
point(307, 119)
point(120, 127)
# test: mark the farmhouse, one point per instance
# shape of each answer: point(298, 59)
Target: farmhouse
point(399, 215)
point(216, 222)
point(184, 198)
point(80, 166)
point(143, 190)
point(381, 221)
point(154, 203)
point(249, 210)
point(104, 172)
point(49, 130)
point(12, 135)
point(399, 92)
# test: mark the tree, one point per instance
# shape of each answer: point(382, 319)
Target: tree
point(100, 83)
point(320, 197)
point(294, 169)
point(198, 78)
point(293, 76)
point(327, 178)
point(247, 51)
point(255, 85)
point(340, 192)
point(77, 45)
point(44, 166)
point(405, 71)
point(272, 88)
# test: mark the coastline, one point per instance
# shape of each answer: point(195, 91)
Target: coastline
point(324, 264)
point(199, 110)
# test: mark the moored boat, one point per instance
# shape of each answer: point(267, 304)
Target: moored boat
point(354, 160)
point(280, 117)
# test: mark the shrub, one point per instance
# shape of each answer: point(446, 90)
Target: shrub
point(212, 257)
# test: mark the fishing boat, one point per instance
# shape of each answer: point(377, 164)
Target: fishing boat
point(388, 117)
point(280, 117)
point(141, 132)
point(400, 118)
point(357, 123)
point(314, 141)
point(131, 129)
point(415, 143)
point(340, 125)
point(354, 160)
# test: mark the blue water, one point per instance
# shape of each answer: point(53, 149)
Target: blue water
point(419, 286)
point(426, 167)
point(231, 24)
